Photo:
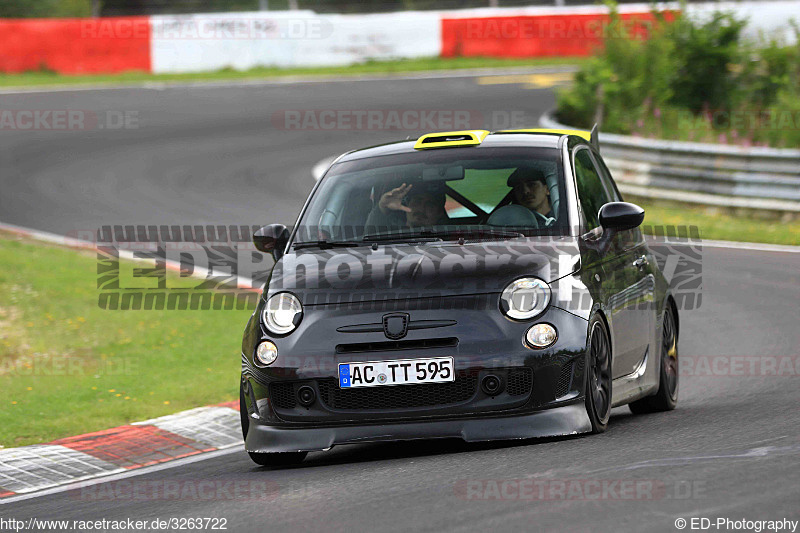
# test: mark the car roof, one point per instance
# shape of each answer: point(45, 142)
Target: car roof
point(470, 140)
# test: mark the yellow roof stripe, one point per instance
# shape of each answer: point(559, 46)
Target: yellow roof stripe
point(474, 137)
point(580, 133)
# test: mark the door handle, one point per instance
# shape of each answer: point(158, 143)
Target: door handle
point(641, 262)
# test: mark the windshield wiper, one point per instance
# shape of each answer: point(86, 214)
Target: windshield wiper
point(326, 244)
point(424, 235)
point(483, 232)
point(452, 234)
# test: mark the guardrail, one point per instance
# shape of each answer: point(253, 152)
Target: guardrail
point(710, 174)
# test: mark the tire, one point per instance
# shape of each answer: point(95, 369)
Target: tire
point(666, 398)
point(598, 375)
point(266, 459)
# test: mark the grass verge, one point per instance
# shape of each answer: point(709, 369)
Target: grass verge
point(720, 224)
point(69, 367)
point(31, 79)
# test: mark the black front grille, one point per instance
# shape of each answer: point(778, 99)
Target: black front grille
point(282, 395)
point(520, 381)
point(562, 387)
point(396, 345)
point(398, 396)
point(565, 380)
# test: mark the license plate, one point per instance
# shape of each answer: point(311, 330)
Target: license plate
point(397, 372)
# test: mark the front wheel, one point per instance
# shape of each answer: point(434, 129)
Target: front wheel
point(598, 379)
point(667, 396)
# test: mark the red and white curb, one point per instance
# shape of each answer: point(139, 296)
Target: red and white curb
point(30, 469)
point(38, 467)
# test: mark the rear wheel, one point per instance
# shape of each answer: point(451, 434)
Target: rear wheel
point(598, 379)
point(266, 459)
point(667, 396)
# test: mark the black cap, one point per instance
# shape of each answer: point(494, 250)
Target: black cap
point(525, 174)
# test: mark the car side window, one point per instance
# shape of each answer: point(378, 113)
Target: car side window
point(624, 240)
point(591, 192)
point(608, 181)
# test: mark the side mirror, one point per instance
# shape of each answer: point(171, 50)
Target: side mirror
point(271, 239)
point(620, 216)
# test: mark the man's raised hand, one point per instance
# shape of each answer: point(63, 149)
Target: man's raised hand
point(393, 200)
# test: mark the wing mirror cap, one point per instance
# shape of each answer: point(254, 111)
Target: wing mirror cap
point(271, 239)
point(621, 216)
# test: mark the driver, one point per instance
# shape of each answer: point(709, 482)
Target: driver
point(421, 206)
point(529, 189)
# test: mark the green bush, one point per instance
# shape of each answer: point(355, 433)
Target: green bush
point(45, 8)
point(631, 76)
point(706, 56)
point(689, 80)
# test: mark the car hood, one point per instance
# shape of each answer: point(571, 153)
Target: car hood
point(364, 273)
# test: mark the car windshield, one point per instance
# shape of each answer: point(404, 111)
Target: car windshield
point(447, 194)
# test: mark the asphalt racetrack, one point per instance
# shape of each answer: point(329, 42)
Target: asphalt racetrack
point(215, 155)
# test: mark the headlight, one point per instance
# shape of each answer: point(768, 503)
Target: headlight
point(282, 313)
point(525, 298)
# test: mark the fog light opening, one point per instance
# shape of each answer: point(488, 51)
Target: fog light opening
point(266, 353)
point(492, 385)
point(306, 396)
point(541, 336)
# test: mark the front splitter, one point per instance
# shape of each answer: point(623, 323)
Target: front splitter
point(566, 420)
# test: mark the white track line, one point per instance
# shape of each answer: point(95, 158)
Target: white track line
point(755, 246)
point(233, 448)
point(287, 80)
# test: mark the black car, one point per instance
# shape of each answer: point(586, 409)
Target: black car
point(468, 284)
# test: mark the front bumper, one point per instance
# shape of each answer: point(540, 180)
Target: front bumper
point(542, 396)
point(565, 420)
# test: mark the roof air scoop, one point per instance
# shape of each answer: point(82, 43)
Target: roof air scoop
point(450, 139)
